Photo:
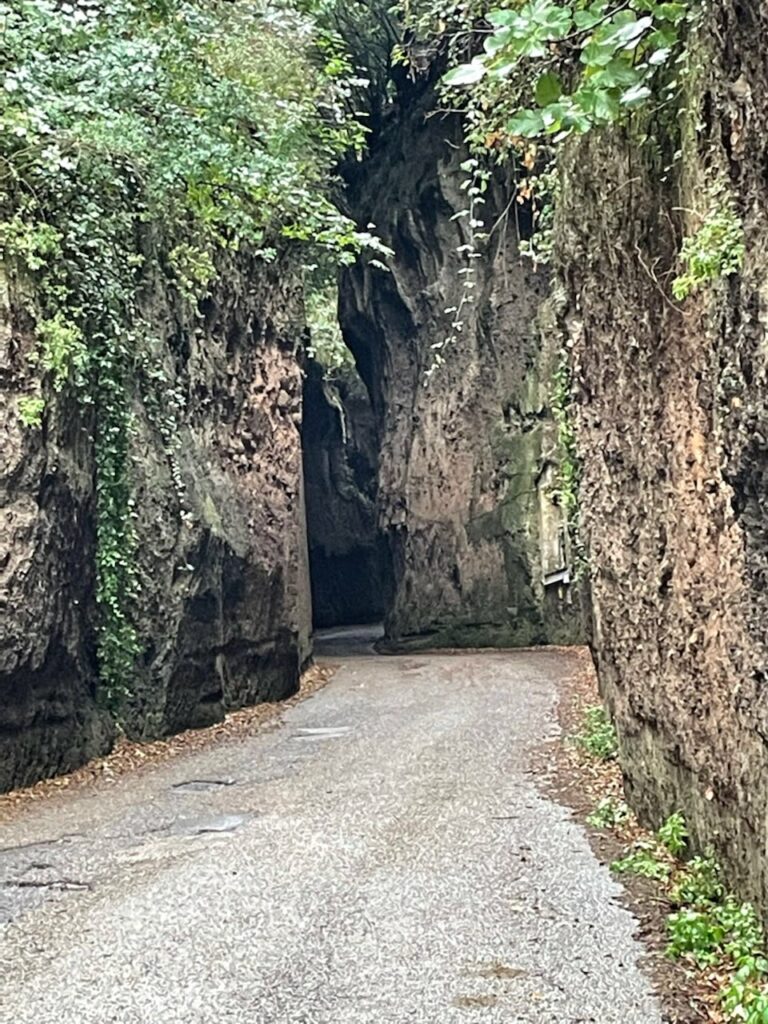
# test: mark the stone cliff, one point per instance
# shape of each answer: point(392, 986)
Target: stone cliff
point(466, 478)
point(671, 414)
point(223, 609)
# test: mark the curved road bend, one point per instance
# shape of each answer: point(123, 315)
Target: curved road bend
point(383, 857)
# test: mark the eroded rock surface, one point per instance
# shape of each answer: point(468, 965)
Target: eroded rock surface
point(463, 484)
point(49, 721)
point(223, 613)
point(225, 608)
point(673, 424)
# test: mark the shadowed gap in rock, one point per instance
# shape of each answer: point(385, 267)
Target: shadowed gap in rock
point(349, 559)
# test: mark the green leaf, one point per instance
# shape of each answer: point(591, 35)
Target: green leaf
point(617, 74)
point(635, 96)
point(548, 89)
point(499, 18)
point(465, 74)
point(556, 21)
point(533, 45)
point(589, 17)
point(498, 41)
point(527, 123)
point(584, 99)
point(665, 37)
point(672, 12)
point(553, 115)
point(627, 35)
point(577, 121)
point(596, 54)
point(503, 70)
point(606, 107)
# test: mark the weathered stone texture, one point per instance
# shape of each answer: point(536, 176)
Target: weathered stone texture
point(672, 418)
point(461, 455)
point(223, 615)
point(48, 718)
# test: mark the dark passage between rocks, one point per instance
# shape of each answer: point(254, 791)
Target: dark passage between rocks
point(350, 567)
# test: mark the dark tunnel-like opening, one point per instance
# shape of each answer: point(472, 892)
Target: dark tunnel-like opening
point(350, 565)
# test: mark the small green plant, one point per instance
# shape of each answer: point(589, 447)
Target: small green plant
point(673, 834)
point(716, 931)
point(653, 859)
point(716, 250)
point(644, 859)
point(598, 736)
point(695, 934)
point(729, 930)
point(698, 884)
point(746, 997)
point(744, 932)
point(63, 353)
point(31, 409)
point(711, 929)
point(609, 813)
point(193, 269)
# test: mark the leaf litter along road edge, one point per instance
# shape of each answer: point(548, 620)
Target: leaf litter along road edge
point(569, 775)
point(129, 756)
point(562, 770)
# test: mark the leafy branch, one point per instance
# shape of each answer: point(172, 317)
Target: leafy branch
point(578, 67)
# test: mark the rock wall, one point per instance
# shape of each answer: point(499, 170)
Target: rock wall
point(223, 614)
point(349, 558)
point(465, 481)
point(672, 417)
point(49, 720)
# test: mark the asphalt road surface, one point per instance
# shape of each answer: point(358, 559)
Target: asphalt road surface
point(385, 856)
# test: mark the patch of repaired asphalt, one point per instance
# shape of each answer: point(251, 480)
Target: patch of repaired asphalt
point(402, 867)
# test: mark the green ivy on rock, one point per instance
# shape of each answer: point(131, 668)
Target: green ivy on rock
point(152, 140)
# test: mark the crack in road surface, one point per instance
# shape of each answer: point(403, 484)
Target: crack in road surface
point(404, 868)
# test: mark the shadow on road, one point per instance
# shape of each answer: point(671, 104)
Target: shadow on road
point(347, 641)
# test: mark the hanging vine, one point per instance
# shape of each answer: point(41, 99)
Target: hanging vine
point(151, 140)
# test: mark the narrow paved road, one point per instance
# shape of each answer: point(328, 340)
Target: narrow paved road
point(383, 857)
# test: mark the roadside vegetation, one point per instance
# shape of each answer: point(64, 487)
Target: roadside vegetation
point(716, 936)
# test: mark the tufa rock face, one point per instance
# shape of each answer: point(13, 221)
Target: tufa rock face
point(224, 614)
point(49, 721)
point(349, 559)
point(672, 417)
point(464, 458)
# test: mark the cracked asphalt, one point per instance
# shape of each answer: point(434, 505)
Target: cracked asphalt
point(385, 856)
